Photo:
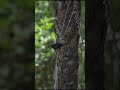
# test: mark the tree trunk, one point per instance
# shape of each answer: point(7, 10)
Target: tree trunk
point(66, 28)
point(94, 37)
point(112, 59)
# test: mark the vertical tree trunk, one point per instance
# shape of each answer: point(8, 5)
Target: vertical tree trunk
point(95, 37)
point(112, 46)
point(66, 28)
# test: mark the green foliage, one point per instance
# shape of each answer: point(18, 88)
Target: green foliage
point(44, 37)
point(16, 56)
point(81, 69)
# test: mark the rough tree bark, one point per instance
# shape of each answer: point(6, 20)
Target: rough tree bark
point(67, 16)
point(94, 38)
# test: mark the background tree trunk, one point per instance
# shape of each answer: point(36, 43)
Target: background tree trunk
point(112, 46)
point(94, 38)
point(67, 15)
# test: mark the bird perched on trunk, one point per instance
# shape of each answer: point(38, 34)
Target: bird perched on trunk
point(56, 46)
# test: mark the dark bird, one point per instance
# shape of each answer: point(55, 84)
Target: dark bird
point(56, 46)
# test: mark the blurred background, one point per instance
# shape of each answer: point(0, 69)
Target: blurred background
point(17, 45)
point(44, 37)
